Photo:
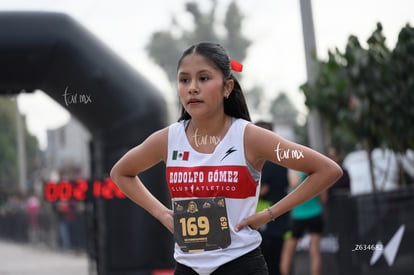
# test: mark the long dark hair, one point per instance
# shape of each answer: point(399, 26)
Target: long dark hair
point(235, 105)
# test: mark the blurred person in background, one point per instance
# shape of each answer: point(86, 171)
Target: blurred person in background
point(32, 208)
point(305, 218)
point(342, 185)
point(273, 187)
point(66, 218)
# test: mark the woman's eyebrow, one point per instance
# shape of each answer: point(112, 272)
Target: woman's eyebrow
point(183, 73)
point(203, 71)
point(199, 72)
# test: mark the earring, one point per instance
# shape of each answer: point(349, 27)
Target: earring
point(226, 96)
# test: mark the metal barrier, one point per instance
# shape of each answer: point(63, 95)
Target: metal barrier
point(366, 235)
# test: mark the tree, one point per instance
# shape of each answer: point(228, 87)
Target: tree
point(283, 111)
point(234, 41)
point(401, 83)
point(165, 48)
point(8, 147)
point(254, 99)
point(367, 95)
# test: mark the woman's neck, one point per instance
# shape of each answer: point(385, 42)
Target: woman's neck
point(205, 135)
point(214, 126)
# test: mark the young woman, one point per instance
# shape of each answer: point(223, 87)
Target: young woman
point(213, 157)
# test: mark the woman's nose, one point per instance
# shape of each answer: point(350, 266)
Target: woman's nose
point(193, 89)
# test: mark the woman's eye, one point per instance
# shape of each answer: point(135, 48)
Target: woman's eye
point(183, 80)
point(204, 78)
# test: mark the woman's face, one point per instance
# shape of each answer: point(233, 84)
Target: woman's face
point(200, 86)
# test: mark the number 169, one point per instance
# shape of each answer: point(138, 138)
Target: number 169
point(195, 225)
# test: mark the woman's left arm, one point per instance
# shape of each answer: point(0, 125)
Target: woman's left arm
point(262, 145)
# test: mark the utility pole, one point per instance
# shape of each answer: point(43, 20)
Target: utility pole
point(315, 128)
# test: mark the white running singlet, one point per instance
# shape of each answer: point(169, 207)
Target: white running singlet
point(223, 173)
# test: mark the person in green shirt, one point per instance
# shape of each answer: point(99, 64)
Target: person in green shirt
point(305, 217)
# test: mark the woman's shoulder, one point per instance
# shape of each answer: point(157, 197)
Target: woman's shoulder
point(240, 122)
point(159, 135)
point(255, 132)
point(179, 123)
point(171, 128)
point(176, 127)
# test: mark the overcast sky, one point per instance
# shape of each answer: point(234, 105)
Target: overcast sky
point(275, 60)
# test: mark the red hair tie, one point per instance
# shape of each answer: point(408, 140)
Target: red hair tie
point(236, 66)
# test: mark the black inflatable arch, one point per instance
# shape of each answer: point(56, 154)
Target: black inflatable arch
point(53, 53)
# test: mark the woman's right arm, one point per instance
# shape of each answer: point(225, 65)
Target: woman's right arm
point(140, 158)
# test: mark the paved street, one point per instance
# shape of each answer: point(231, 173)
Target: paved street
point(23, 259)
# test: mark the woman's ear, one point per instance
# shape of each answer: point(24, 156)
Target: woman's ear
point(228, 86)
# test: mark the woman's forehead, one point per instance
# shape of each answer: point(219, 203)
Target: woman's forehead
point(195, 62)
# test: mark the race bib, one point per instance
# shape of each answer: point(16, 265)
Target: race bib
point(201, 224)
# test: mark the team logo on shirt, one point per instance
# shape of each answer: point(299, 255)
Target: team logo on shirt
point(180, 155)
point(228, 152)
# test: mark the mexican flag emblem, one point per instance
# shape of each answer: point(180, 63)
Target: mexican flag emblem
point(180, 155)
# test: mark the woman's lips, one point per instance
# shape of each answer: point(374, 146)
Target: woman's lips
point(194, 101)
